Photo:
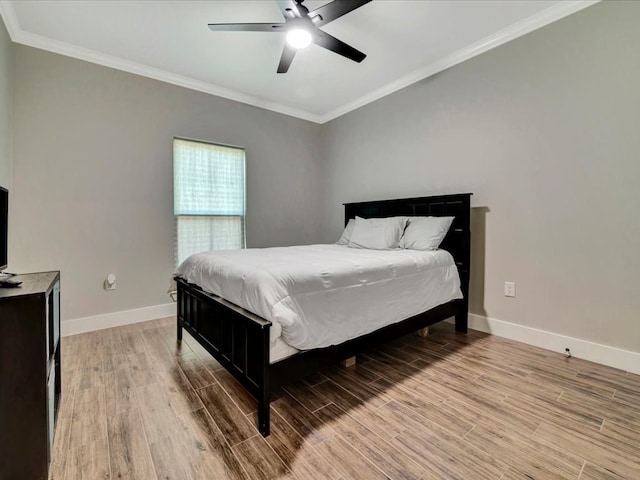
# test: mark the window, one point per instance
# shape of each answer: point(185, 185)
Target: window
point(209, 197)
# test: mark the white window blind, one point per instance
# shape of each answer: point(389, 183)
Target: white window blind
point(209, 197)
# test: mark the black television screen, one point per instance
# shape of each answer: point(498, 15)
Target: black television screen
point(4, 226)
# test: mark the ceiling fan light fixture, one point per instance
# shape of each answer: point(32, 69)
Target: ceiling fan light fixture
point(299, 38)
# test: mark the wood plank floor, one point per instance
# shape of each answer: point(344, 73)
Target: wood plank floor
point(136, 405)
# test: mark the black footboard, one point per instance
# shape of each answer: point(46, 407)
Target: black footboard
point(236, 338)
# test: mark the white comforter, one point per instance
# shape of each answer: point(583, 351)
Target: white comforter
point(322, 295)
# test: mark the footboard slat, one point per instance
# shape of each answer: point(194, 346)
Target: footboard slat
point(239, 348)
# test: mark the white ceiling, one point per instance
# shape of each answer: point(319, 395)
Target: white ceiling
point(405, 41)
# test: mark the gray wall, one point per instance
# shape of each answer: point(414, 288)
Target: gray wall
point(544, 131)
point(5, 107)
point(92, 181)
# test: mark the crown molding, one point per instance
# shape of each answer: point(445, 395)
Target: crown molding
point(10, 20)
point(512, 32)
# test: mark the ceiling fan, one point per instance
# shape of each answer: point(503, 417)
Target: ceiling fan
point(302, 28)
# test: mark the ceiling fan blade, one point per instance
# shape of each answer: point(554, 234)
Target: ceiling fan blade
point(335, 9)
point(247, 27)
point(325, 40)
point(287, 7)
point(287, 57)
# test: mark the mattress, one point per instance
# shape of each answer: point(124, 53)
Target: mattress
point(322, 295)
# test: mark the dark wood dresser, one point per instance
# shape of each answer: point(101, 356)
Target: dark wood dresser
point(30, 381)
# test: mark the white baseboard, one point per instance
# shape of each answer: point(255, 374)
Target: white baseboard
point(116, 319)
point(584, 349)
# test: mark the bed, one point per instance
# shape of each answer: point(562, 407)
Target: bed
point(252, 349)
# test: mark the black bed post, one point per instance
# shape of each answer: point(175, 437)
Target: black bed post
point(463, 255)
point(264, 395)
point(179, 310)
point(462, 307)
point(263, 413)
point(462, 317)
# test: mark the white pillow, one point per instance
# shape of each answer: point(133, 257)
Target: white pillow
point(425, 233)
point(346, 234)
point(377, 233)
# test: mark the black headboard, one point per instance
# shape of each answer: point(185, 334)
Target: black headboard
point(458, 240)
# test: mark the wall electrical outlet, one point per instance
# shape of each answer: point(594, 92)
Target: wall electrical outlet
point(509, 289)
point(110, 282)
